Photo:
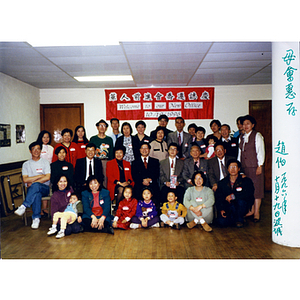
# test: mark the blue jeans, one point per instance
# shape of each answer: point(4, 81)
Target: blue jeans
point(34, 196)
point(235, 213)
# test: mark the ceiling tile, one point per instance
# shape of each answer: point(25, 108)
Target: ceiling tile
point(236, 47)
point(165, 47)
point(150, 63)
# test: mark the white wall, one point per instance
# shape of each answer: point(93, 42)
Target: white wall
point(19, 105)
point(230, 102)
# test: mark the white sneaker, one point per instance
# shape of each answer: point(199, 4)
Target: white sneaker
point(134, 226)
point(21, 210)
point(156, 225)
point(60, 234)
point(52, 230)
point(35, 223)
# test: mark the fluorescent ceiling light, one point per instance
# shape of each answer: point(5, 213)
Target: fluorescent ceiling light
point(65, 43)
point(104, 78)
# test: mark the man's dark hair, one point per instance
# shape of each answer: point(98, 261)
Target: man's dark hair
point(33, 144)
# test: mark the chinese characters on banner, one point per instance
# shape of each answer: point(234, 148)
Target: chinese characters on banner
point(150, 103)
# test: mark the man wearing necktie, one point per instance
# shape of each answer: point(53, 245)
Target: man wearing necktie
point(86, 167)
point(145, 173)
point(180, 137)
point(171, 175)
point(217, 166)
point(192, 164)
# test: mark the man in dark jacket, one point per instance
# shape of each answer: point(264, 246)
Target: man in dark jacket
point(145, 172)
point(234, 196)
point(86, 167)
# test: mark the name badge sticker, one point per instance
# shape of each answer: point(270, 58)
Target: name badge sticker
point(39, 170)
point(233, 145)
point(72, 149)
point(199, 199)
point(126, 169)
point(65, 168)
point(125, 208)
point(101, 201)
point(239, 189)
point(82, 146)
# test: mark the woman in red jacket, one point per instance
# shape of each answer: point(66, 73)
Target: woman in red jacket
point(71, 147)
point(118, 173)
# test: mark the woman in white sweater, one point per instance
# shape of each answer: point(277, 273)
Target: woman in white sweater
point(199, 201)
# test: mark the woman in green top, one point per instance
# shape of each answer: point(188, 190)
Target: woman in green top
point(199, 201)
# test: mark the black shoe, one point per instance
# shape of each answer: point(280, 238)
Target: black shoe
point(81, 228)
point(239, 224)
point(44, 215)
point(109, 230)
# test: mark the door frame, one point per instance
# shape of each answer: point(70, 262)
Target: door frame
point(268, 173)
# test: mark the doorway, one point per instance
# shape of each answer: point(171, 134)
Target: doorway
point(261, 110)
point(56, 117)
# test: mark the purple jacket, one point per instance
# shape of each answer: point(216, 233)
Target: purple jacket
point(146, 210)
point(60, 200)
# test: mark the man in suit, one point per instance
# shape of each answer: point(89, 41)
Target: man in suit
point(192, 164)
point(86, 167)
point(180, 137)
point(145, 173)
point(217, 166)
point(230, 143)
point(171, 166)
point(162, 122)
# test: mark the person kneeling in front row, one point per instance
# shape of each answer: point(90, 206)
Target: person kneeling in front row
point(234, 196)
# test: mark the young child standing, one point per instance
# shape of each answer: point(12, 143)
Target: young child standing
point(146, 213)
point(173, 213)
point(210, 149)
point(126, 209)
point(73, 210)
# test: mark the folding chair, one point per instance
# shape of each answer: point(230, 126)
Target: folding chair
point(47, 198)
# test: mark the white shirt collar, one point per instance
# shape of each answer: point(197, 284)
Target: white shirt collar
point(174, 159)
point(224, 140)
point(88, 160)
point(246, 136)
point(147, 158)
point(221, 160)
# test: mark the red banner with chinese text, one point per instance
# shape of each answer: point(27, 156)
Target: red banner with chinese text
point(150, 103)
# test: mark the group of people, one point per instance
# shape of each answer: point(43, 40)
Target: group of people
point(164, 179)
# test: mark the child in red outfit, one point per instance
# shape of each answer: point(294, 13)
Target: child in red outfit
point(210, 149)
point(126, 210)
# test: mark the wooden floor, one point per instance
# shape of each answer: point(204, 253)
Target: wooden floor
point(253, 241)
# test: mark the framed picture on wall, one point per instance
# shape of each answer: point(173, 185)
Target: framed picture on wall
point(20, 134)
point(5, 135)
